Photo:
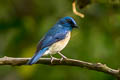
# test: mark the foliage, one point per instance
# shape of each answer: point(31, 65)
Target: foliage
point(24, 22)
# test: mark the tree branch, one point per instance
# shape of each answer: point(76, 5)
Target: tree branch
point(69, 62)
point(75, 11)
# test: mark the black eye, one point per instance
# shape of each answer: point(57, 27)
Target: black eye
point(70, 21)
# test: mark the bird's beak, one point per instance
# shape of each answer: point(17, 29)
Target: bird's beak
point(76, 26)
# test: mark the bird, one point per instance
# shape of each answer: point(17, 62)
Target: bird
point(54, 40)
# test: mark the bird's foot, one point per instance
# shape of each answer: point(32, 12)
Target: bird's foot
point(52, 59)
point(63, 58)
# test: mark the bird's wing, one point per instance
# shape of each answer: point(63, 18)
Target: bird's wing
point(50, 39)
point(44, 44)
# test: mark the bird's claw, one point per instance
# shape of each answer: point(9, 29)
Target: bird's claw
point(63, 58)
point(52, 59)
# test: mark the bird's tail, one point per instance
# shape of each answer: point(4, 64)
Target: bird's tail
point(36, 57)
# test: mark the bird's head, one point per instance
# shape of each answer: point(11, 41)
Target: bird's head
point(68, 22)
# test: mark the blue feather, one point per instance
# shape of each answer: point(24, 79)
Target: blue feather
point(36, 57)
point(54, 35)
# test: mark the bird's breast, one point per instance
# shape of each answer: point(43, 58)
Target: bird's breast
point(58, 46)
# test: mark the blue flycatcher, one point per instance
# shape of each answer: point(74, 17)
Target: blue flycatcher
point(55, 39)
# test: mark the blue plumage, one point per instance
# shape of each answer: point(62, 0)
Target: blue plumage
point(36, 57)
point(56, 34)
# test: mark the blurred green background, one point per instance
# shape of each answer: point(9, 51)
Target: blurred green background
point(24, 22)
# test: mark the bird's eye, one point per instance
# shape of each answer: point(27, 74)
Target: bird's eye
point(69, 21)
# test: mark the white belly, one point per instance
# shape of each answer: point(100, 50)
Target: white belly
point(58, 46)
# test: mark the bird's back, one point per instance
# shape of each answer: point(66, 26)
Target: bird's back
point(55, 34)
point(60, 45)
